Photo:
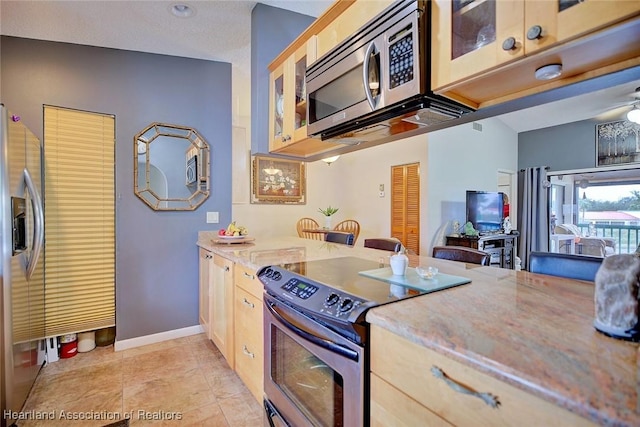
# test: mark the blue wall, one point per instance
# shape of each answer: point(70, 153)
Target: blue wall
point(156, 255)
point(564, 147)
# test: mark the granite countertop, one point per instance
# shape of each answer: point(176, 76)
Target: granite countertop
point(276, 250)
point(532, 331)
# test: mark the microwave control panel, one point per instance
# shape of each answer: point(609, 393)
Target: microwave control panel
point(401, 59)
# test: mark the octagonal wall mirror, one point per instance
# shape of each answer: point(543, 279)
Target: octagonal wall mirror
point(171, 167)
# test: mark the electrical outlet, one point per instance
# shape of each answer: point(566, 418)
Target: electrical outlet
point(381, 193)
point(213, 217)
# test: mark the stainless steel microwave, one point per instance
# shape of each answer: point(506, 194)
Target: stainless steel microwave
point(379, 73)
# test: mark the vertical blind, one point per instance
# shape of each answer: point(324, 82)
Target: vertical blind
point(79, 163)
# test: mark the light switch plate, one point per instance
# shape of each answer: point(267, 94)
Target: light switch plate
point(213, 217)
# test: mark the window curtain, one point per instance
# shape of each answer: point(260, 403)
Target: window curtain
point(533, 209)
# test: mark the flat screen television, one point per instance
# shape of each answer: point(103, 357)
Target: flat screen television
point(485, 211)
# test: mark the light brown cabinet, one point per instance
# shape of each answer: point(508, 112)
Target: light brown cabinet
point(205, 264)
point(404, 388)
point(478, 47)
point(288, 106)
point(348, 22)
point(249, 356)
point(221, 307)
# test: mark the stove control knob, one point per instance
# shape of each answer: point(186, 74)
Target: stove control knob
point(347, 304)
point(276, 275)
point(332, 299)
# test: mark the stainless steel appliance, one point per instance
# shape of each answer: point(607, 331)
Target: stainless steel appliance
point(378, 80)
point(316, 338)
point(21, 266)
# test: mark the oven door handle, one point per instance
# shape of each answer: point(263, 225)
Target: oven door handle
point(326, 344)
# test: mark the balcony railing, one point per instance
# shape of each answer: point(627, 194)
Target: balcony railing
point(626, 236)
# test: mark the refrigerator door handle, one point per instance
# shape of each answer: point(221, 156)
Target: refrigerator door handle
point(38, 224)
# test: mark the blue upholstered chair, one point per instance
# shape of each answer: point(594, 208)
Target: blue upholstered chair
point(337, 237)
point(580, 267)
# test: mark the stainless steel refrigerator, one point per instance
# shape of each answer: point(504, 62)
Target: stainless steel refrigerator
point(21, 265)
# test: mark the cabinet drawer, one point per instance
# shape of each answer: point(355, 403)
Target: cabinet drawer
point(407, 366)
point(391, 407)
point(247, 279)
point(249, 355)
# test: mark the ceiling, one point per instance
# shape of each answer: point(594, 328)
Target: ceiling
point(220, 30)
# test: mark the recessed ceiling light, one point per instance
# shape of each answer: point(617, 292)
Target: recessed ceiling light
point(182, 10)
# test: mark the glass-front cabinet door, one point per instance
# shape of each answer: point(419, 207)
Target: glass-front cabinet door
point(276, 108)
point(468, 37)
point(472, 37)
point(288, 97)
point(300, 118)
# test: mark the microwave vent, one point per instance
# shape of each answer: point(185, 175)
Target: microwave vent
point(361, 135)
point(431, 116)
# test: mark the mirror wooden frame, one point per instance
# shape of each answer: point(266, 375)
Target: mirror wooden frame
point(196, 167)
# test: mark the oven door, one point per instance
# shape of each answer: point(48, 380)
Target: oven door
point(313, 376)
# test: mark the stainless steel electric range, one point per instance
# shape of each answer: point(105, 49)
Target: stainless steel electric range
point(316, 336)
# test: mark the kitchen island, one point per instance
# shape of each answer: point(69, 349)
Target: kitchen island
point(529, 331)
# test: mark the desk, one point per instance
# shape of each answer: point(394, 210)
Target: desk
point(557, 238)
point(501, 247)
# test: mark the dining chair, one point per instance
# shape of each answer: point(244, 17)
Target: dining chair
point(344, 238)
point(349, 226)
point(386, 244)
point(579, 267)
point(462, 253)
point(308, 224)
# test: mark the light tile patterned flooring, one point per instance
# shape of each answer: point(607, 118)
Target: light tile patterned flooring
point(187, 376)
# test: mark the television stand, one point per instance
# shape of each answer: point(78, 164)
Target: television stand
point(502, 247)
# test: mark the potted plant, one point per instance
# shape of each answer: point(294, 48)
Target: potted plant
point(328, 212)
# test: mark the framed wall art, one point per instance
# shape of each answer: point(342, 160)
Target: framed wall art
point(277, 181)
point(617, 143)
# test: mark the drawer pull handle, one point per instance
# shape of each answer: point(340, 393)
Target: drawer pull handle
point(226, 268)
point(246, 351)
point(250, 276)
point(488, 398)
point(247, 302)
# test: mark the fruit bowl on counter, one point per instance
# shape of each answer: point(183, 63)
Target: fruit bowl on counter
point(225, 237)
point(233, 234)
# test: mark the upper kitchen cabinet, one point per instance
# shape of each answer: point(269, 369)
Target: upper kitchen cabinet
point(287, 94)
point(466, 37)
point(485, 51)
point(348, 23)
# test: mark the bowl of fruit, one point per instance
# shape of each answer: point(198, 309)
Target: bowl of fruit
point(233, 232)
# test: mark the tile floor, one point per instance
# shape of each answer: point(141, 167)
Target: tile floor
point(187, 376)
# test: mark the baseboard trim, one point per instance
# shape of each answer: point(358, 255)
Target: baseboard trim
point(156, 338)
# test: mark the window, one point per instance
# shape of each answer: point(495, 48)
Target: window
point(602, 204)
